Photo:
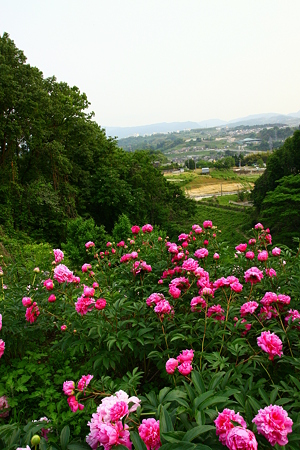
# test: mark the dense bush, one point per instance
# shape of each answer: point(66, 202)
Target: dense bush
point(204, 338)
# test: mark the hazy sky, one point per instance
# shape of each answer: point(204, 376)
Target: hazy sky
point(148, 61)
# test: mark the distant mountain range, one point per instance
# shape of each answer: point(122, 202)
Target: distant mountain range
point(291, 119)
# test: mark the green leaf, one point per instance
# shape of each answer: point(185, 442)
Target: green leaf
point(64, 437)
point(78, 446)
point(198, 382)
point(165, 422)
point(137, 441)
point(180, 446)
point(173, 436)
point(194, 432)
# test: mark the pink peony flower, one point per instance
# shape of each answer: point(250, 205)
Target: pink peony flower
point(86, 267)
point(24, 448)
point(4, 407)
point(27, 301)
point(270, 343)
point(198, 230)
point(274, 424)
point(267, 312)
point(107, 434)
point(236, 286)
point(100, 304)
point(0, 322)
point(2, 347)
point(284, 299)
point(217, 311)
point(271, 273)
point(224, 423)
point(241, 248)
point(63, 327)
point(150, 434)
point(205, 242)
point(118, 411)
point(51, 298)
point(135, 229)
point(268, 298)
point(183, 237)
point(89, 244)
point(95, 285)
point(74, 405)
point(250, 255)
point(108, 244)
point(195, 226)
point(190, 264)
point(147, 228)
point(252, 241)
point(63, 274)
point(69, 387)
point(88, 291)
point(163, 307)
point(186, 356)
point(216, 256)
point(84, 382)
point(121, 244)
point(185, 368)
point(253, 275)
point(259, 226)
point(294, 314)
point(58, 255)
point(197, 304)
point(48, 285)
point(32, 313)
point(201, 253)
point(171, 365)
point(240, 438)
point(248, 308)
point(276, 251)
point(263, 255)
point(84, 305)
point(207, 224)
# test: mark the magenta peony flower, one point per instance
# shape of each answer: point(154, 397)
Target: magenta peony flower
point(201, 253)
point(269, 298)
point(32, 313)
point(224, 423)
point(95, 285)
point(100, 304)
point(0, 322)
point(89, 244)
point(190, 264)
point(63, 327)
point(253, 275)
point(4, 407)
point(294, 314)
point(241, 248)
point(86, 267)
point(236, 286)
point(197, 304)
point(63, 274)
point(284, 299)
point(74, 405)
point(88, 291)
point(48, 285)
point(263, 255)
point(250, 255)
point(84, 382)
point(274, 424)
point(2, 347)
point(186, 356)
point(276, 251)
point(150, 434)
point(118, 411)
point(84, 305)
point(259, 226)
point(252, 241)
point(163, 307)
point(135, 229)
point(171, 365)
point(147, 228)
point(216, 256)
point(185, 368)
point(217, 311)
point(198, 230)
point(270, 343)
point(51, 298)
point(207, 224)
point(154, 298)
point(240, 438)
point(271, 273)
point(69, 387)
point(58, 255)
point(27, 301)
point(248, 308)
point(121, 244)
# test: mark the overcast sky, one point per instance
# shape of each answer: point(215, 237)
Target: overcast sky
point(148, 61)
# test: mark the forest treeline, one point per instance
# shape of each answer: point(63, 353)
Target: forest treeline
point(57, 164)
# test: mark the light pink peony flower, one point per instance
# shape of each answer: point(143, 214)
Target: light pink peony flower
point(248, 308)
point(24, 448)
point(224, 423)
point(27, 301)
point(69, 387)
point(150, 434)
point(118, 411)
point(74, 405)
point(63, 274)
point(135, 229)
point(185, 368)
point(274, 424)
point(263, 255)
point(241, 248)
point(240, 438)
point(201, 253)
point(48, 284)
point(4, 407)
point(100, 304)
point(32, 313)
point(276, 251)
point(147, 228)
point(58, 255)
point(171, 365)
point(207, 224)
point(183, 237)
point(217, 312)
point(198, 230)
point(270, 343)
point(107, 434)
point(84, 382)
point(253, 275)
point(89, 244)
